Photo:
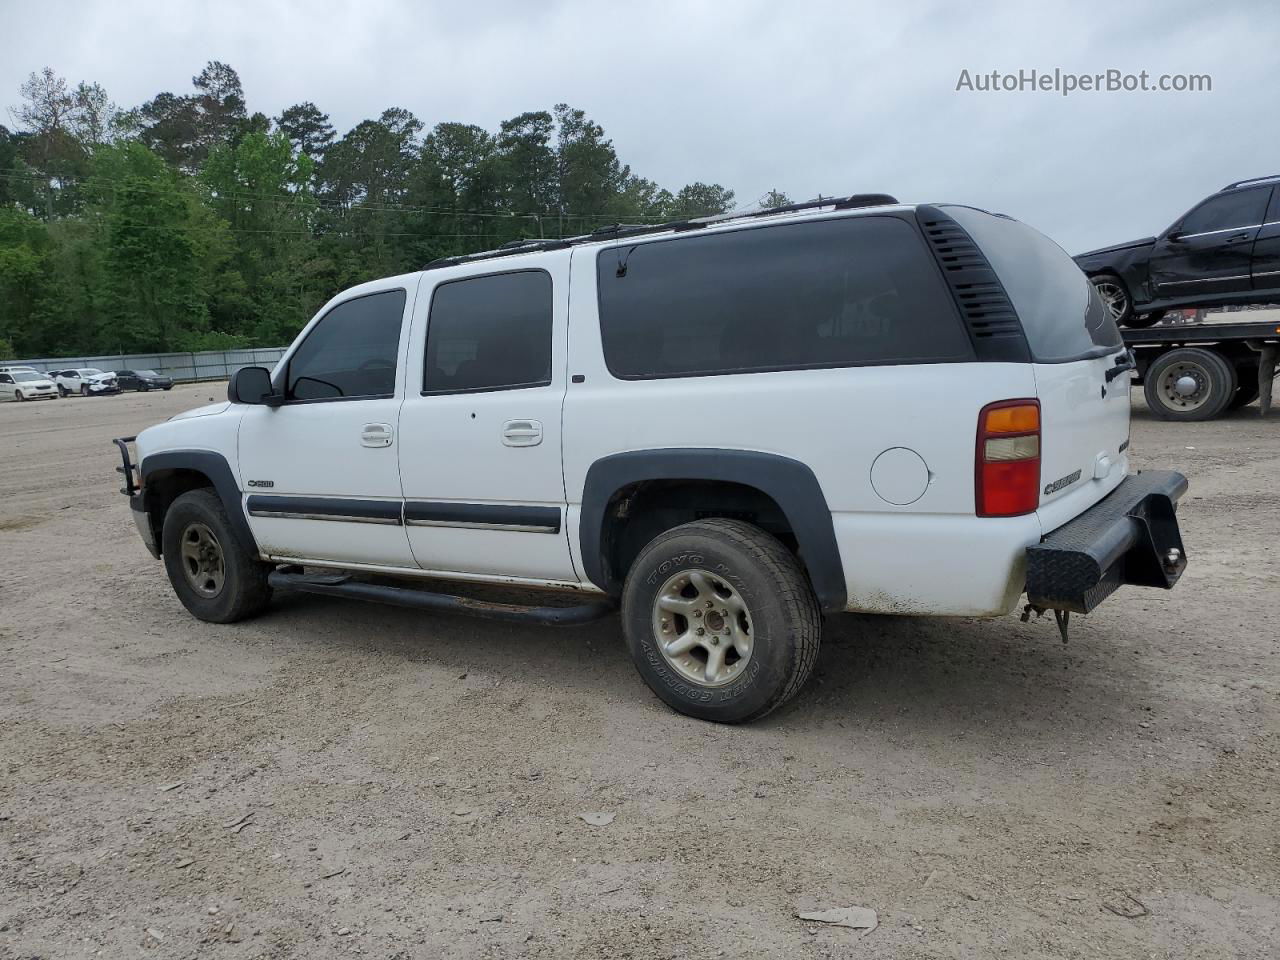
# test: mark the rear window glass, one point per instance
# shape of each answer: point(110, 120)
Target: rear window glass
point(1062, 316)
point(826, 293)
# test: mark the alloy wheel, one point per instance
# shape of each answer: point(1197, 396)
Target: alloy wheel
point(703, 628)
point(202, 560)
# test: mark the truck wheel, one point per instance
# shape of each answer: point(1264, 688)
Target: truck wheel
point(213, 575)
point(1115, 296)
point(720, 620)
point(1247, 392)
point(1189, 383)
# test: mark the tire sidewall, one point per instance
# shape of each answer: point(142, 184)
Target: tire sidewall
point(1127, 314)
point(771, 653)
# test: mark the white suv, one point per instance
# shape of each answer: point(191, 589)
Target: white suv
point(86, 381)
point(727, 427)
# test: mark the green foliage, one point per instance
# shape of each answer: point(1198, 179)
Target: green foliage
point(189, 223)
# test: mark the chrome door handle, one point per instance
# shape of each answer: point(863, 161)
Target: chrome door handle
point(376, 435)
point(522, 433)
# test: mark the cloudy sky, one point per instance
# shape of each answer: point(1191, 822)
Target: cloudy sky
point(808, 97)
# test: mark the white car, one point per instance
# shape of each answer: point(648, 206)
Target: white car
point(86, 381)
point(17, 383)
point(726, 427)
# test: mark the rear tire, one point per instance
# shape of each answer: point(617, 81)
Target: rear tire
point(1248, 390)
point(1115, 297)
point(720, 620)
point(214, 576)
point(1189, 383)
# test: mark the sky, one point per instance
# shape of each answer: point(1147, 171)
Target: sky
point(807, 97)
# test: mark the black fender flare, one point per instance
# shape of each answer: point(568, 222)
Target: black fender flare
point(790, 483)
point(215, 467)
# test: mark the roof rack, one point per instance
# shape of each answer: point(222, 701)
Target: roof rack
point(1241, 183)
point(619, 230)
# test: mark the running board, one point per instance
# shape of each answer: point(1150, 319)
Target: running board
point(341, 585)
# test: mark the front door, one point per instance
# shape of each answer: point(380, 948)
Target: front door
point(319, 472)
point(1210, 249)
point(480, 427)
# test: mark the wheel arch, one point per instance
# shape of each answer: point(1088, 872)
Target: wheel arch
point(785, 483)
point(168, 475)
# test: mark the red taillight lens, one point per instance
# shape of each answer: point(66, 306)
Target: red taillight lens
point(1007, 474)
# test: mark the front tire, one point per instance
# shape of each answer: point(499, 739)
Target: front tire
point(84, 391)
point(1189, 383)
point(214, 576)
point(18, 394)
point(720, 620)
point(62, 392)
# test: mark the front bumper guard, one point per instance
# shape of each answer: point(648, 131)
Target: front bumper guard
point(1130, 536)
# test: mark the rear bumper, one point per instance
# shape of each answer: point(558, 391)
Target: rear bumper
point(1130, 536)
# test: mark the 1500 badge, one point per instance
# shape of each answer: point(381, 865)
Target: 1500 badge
point(1057, 485)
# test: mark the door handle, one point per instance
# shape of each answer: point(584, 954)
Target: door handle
point(522, 433)
point(376, 435)
point(1239, 237)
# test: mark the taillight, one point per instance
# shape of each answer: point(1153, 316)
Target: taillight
point(1007, 475)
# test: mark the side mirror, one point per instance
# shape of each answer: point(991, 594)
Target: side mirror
point(253, 385)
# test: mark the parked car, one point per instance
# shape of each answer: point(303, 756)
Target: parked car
point(143, 380)
point(20, 369)
point(26, 384)
point(1224, 250)
point(86, 381)
point(728, 428)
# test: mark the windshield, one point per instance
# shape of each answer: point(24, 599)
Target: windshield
point(146, 373)
point(22, 376)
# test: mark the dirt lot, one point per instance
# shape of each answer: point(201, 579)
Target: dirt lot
point(412, 782)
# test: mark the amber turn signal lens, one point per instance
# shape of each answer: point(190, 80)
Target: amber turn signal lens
point(1024, 418)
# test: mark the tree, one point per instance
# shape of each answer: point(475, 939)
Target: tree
point(307, 128)
point(701, 200)
point(95, 118)
point(774, 198)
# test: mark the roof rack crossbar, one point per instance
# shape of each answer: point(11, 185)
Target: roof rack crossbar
point(1241, 183)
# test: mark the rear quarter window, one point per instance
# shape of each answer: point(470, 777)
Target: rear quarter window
point(1062, 316)
point(826, 293)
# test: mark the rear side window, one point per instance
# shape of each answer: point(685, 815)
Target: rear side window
point(1240, 208)
point(828, 293)
point(351, 352)
point(489, 333)
point(1062, 316)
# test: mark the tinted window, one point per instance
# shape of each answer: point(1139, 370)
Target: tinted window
point(1273, 211)
point(351, 352)
point(1062, 315)
point(820, 294)
point(5, 378)
point(489, 333)
point(1240, 208)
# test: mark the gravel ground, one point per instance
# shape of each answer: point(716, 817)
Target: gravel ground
point(337, 778)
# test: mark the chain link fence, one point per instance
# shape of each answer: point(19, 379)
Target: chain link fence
point(182, 367)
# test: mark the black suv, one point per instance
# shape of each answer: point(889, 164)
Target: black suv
point(143, 380)
point(1226, 249)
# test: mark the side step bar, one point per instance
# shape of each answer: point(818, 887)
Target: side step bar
point(341, 585)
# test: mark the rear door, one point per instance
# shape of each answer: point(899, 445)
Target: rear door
point(1266, 248)
point(1211, 248)
point(1078, 359)
point(481, 424)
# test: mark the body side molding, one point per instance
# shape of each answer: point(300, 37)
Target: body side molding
point(790, 483)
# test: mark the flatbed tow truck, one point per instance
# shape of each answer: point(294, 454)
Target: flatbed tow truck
point(1199, 371)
